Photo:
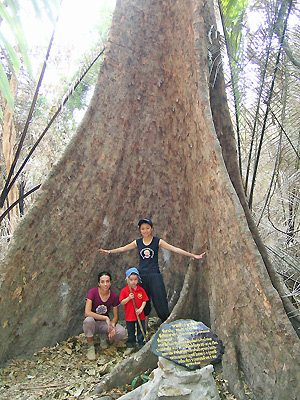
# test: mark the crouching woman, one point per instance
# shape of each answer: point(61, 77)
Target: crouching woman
point(99, 301)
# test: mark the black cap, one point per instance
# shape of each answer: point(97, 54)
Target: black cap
point(145, 221)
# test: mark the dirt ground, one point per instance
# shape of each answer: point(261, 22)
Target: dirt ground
point(63, 372)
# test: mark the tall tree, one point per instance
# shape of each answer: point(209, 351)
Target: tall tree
point(148, 146)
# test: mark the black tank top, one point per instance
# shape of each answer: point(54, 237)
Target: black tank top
point(148, 255)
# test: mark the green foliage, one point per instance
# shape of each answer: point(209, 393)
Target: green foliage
point(46, 7)
point(9, 15)
point(233, 14)
point(139, 380)
point(233, 19)
point(264, 79)
point(10, 61)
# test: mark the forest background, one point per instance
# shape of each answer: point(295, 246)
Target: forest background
point(262, 69)
point(260, 56)
point(69, 38)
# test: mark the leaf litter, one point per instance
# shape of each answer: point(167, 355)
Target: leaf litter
point(63, 372)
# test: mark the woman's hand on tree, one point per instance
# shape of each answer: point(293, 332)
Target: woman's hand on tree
point(104, 252)
point(199, 256)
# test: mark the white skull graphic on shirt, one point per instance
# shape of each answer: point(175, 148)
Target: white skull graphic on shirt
point(101, 309)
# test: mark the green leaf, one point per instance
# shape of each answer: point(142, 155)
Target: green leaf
point(142, 378)
point(13, 58)
point(17, 30)
point(134, 381)
point(51, 8)
point(5, 89)
point(145, 378)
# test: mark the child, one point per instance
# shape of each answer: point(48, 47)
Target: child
point(126, 299)
point(98, 303)
point(151, 277)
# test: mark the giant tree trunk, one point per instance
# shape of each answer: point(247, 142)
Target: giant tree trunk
point(148, 147)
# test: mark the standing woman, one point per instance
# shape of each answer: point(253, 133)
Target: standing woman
point(151, 278)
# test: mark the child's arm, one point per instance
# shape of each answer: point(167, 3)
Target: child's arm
point(178, 250)
point(126, 300)
point(140, 310)
point(127, 247)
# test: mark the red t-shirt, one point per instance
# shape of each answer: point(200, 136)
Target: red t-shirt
point(139, 296)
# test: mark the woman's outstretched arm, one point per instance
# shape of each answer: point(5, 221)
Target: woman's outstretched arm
point(127, 247)
point(178, 250)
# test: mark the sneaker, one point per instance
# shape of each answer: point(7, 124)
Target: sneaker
point(91, 355)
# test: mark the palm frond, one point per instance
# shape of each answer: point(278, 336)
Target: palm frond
point(265, 81)
point(10, 61)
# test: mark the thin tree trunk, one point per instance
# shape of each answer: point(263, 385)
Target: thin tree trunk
point(8, 142)
point(148, 147)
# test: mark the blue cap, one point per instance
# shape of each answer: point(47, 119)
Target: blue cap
point(131, 271)
point(145, 221)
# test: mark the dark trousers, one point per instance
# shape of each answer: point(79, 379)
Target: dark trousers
point(154, 286)
point(130, 325)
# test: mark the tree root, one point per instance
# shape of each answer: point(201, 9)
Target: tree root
point(144, 359)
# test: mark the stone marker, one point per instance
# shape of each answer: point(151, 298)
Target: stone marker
point(188, 343)
point(173, 382)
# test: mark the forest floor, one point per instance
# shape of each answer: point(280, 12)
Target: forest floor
point(63, 372)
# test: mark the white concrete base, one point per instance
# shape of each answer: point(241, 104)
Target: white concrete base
point(172, 381)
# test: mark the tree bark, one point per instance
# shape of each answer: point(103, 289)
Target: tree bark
point(147, 146)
